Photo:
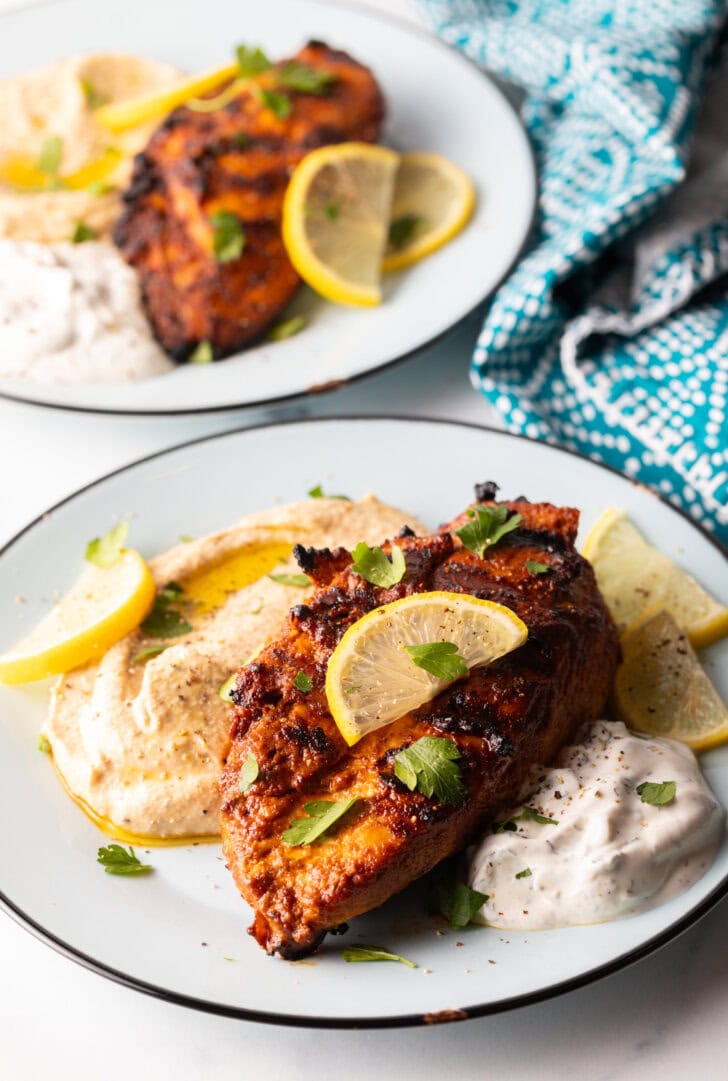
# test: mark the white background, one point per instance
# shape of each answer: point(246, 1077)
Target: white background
point(662, 1018)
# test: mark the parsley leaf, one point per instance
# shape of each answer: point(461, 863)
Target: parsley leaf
point(286, 328)
point(100, 187)
point(373, 953)
point(145, 654)
point(201, 354)
point(279, 104)
point(251, 60)
point(226, 689)
point(322, 816)
point(402, 229)
point(525, 873)
point(94, 98)
point(164, 620)
point(374, 566)
point(440, 659)
point(294, 75)
point(430, 766)
point(534, 567)
point(43, 745)
point(106, 551)
point(301, 580)
point(303, 682)
point(509, 826)
point(248, 773)
point(228, 236)
point(456, 901)
point(82, 233)
point(317, 492)
point(50, 158)
point(528, 814)
point(332, 210)
point(117, 861)
point(490, 524)
point(657, 794)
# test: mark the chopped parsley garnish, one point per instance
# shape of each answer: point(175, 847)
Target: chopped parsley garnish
point(106, 551)
point(43, 745)
point(251, 60)
point(456, 901)
point(374, 566)
point(303, 682)
point(228, 236)
point(528, 814)
point(145, 654)
point(373, 953)
point(279, 104)
point(317, 492)
point(489, 525)
point(117, 861)
point(402, 229)
point(287, 328)
point(165, 619)
point(304, 79)
point(302, 581)
point(430, 766)
point(534, 567)
point(509, 826)
point(201, 354)
point(82, 233)
point(50, 158)
point(248, 773)
point(94, 98)
point(100, 187)
point(322, 816)
point(525, 873)
point(657, 794)
point(440, 659)
point(332, 211)
point(226, 689)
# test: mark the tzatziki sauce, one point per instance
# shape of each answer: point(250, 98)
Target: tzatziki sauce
point(603, 853)
point(72, 313)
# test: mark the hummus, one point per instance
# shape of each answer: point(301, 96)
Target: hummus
point(139, 743)
point(56, 103)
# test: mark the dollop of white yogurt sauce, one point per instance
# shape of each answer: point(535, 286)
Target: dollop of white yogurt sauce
point(72, 313)
point(609, 854)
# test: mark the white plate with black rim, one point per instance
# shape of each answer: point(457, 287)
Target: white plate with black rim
point(173, 933)
point(436, 100)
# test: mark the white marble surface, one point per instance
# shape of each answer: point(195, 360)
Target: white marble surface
point(662, 1018)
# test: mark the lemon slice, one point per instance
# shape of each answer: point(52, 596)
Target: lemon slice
point(102, 606)
point(371, 679)
point(433, 200)
point(122, 115)
point(633, 577)
point(336, 218)
point(661, 688)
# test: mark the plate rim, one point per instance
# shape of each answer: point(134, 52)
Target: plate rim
point(455, 1013)
point(333, 385)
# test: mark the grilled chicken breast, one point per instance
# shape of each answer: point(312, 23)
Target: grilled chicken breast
point(503, 718)
point(238, 159)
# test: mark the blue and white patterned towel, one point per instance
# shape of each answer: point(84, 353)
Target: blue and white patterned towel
point(609, 338)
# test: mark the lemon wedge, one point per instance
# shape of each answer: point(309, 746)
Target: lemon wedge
point(634, 577)
point(102, 606)
point(371, 677)
point(661, 688)
point(119, 116)
point(433, 200)
point(336, 217)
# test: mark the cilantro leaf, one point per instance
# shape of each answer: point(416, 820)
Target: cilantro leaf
point(50, 158)
point(145, 654)
point(509, 826)
point(302, 581)
point(332, 210)
point(228, 237)
point(373, 566)
point(402, 229)
point(226, 689)
point(165, 620)
point(489, 525)
point(286, 328)
point(304, 79)
point(456, 901)
point(303, 682)
point(317, 492)
point(117, 861)
point(279, 104)
point(373, 953)
point(201, 354)
point(251, 60)
point(430, 766)
point(534, 567)
point(525, 873)
point(82, 233)
point(657, 794)
point(248, 773)
point(440, 659)
point(322, 816)
point(530, 814)
point(106, 551)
